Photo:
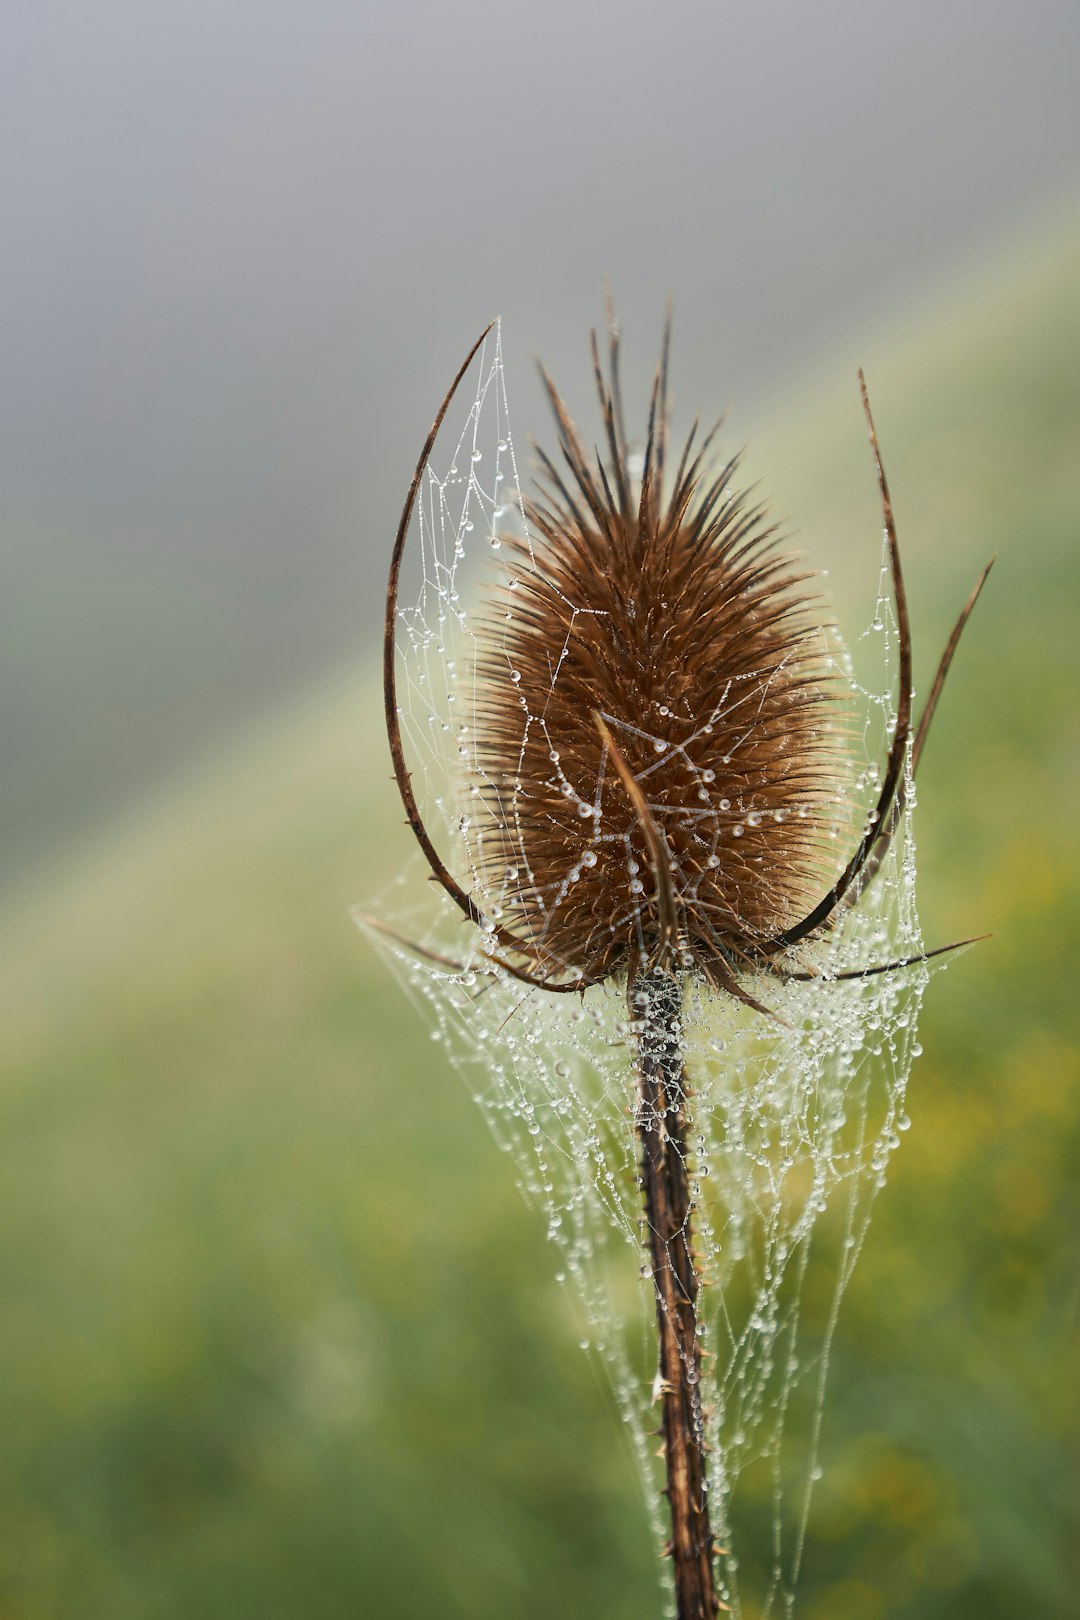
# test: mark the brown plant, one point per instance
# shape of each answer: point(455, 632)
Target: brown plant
point(672, 805)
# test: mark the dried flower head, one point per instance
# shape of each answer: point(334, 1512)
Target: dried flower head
point(659, 731)
point(670, 626)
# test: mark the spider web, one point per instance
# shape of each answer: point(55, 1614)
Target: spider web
point(792, 1126)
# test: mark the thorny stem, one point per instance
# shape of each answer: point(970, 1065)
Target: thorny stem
point(656, 1007)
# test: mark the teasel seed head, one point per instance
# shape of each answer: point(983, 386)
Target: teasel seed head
point(659, 721)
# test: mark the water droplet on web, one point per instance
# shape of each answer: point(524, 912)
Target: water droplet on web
point(515, 676)
point(589, 858)
point(659, 744)
point(737, 831)
point(585, 811)
point(478, 455)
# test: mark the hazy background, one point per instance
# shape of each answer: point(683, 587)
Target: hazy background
point(245, 245)
point(281, 1338)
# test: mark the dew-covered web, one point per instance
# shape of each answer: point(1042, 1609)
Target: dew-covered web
point(793, 1123)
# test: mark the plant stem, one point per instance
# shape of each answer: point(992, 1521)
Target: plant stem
point(656, 1007)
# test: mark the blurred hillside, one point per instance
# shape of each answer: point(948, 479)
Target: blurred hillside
point(281, 1338)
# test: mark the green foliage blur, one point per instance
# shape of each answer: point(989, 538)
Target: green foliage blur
point(281, 1337)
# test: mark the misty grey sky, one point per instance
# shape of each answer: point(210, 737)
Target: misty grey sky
point(246, 243)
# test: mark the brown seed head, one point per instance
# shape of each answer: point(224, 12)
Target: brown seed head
point(672, 614)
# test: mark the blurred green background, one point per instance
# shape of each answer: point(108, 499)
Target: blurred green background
point(280, 1336)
